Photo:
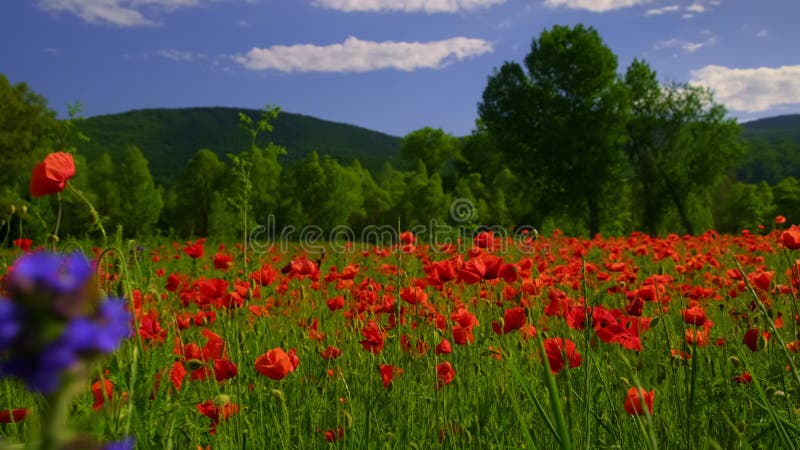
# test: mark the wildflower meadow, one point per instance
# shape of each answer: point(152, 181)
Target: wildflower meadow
point(480, 341)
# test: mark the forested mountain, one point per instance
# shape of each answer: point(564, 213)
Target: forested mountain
point(170, 137)
point(773, 149)
point(778, 128)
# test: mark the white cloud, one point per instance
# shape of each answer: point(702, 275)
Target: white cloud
point(427, 6)
point(664, 10)
point(52, 51)
point(595, 5)
point(123, 13)
point(355, 55)
point(178, 55)
point(751, 90)
point(686, 46)
point(696, 8)
point(763, 34)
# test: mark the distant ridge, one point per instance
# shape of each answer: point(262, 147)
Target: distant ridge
point(773, 129)
point(169, 137)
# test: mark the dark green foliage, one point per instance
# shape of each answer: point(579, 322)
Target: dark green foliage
point(140, 202)
point(773, 129)
point(786, 196)
point(196, 190)
point(560, 124)
point(740, 206)
point(680, 145)
point(169, 137)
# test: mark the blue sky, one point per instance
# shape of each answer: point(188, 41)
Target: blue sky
point(389, 65)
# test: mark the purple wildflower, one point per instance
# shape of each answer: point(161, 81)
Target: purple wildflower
point(125, 444)
point(54, 319)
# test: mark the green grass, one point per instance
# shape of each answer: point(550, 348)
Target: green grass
point(508, 402)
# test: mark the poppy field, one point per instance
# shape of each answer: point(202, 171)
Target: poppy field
point(485, 342)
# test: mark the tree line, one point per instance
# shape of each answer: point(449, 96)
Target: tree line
point(562, 140)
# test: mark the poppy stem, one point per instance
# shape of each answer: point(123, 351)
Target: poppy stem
point(92, 211)
point(54, 236)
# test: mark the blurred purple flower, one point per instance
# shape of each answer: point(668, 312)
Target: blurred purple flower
point(53, 319)
point(125, 444)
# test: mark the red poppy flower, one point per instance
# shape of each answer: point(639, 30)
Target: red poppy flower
point(195, 250)
point(560, 351)
point(335, 303)
point(791, 238)
point(333, 435)
point(51, 175)
point(445, 373)
point(217, 410)
point(222, 261)
point(176, 374)
point(150, 329)
point(23, 244)
point(513, 319)
point(744, 378)
point(635, 398)
point(780, 220)
point(388, 373)
point(13, 415)
point(331, 353)
point(97, 392)
point(374, 337)
point(274, 364)
point(224, 369)
point(694, 315)
point(753, 336)
point(444, 348)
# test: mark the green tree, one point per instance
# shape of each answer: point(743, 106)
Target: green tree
point(681, 145)
point(196, 189)
point(439, 151)
point(561, 125)
point(377, 201)
point(104, 187)
point(27, 133)
point(786, 195)
point(741, 206)
point(140, 200)
point(323, 193)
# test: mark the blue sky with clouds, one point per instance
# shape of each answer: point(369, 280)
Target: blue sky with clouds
point(388, 65)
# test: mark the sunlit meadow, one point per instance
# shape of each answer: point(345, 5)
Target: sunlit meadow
point(485, 342)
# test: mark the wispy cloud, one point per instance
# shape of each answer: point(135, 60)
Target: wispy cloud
point(664, 10)
point(696, 8)
point(763, 34)
point(355, 55)
point(123, 13)
point(427, 6)
point(686, 46)
point(688, 11)
point(751, 90)
point(595, 5)
point(52, 51)
point(178, 55)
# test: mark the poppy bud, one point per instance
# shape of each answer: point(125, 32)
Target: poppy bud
point(193, 364)
point(23, 210)
point(222, 400)
point(11, 210)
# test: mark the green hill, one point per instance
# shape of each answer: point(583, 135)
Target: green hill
point(169, 137)
point(773, 149)
point(773, 129)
